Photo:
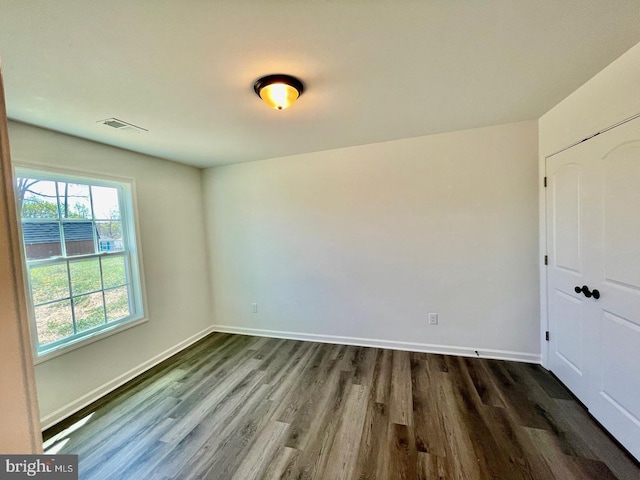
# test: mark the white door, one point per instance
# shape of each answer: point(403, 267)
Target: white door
point(594, 241)
point(567, 181)
point(616, 400)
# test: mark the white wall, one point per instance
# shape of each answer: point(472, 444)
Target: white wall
point(170, 215)
point(360, 244)
point(608, 98)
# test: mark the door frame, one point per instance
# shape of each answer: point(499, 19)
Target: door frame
point(21, 433)
point(544, 303)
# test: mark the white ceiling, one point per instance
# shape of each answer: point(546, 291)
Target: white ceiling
point(374, 70)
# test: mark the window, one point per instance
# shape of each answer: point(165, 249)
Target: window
point(81, 256)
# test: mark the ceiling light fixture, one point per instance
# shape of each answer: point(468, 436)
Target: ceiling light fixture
point(278, 91)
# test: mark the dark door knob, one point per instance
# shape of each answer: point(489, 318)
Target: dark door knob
point(587, 293)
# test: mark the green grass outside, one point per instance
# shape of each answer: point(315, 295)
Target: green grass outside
point(51, 283)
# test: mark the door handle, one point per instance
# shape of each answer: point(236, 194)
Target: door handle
point(587, 293)
point(584, 290)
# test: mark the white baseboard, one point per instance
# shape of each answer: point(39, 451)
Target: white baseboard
point(51, 419)
point(389, 344)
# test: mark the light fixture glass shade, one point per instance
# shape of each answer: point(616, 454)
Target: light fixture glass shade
point(278, 91)
point(279, 95)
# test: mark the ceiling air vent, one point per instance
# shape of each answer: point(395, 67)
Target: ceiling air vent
point(122, 126)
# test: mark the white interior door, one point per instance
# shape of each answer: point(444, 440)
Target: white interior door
point(567, 182)
point(593, 208)
point(616, 399)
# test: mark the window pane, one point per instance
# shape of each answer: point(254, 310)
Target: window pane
point(89, 311)
point(105, 203)
point(85, 276)
point(74, 200)
point(36, 198)
point(78, 238)
point(54, 321)
point(117, 303)
point(49, 283)
point(114, 272)
point(110, 236)
point(41, 240)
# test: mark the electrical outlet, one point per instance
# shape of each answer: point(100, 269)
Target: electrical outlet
point(433, 319)
point(254, 307)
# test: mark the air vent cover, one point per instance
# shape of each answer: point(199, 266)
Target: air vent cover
point(122, 125)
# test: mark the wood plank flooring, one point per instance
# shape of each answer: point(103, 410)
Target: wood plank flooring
point(241, 407)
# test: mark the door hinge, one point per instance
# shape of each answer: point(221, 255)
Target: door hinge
point(546, 259)
point(546, 335)
point(545, 182)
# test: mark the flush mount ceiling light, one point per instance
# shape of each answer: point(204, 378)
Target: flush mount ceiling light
point(278, 91)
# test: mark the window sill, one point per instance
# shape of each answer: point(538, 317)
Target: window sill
point(84, 341)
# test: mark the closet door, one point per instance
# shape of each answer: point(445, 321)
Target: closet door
point(571, 316)
point(593, 220)
point(616, 384)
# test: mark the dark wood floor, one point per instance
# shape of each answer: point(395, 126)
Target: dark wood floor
point(240, 407)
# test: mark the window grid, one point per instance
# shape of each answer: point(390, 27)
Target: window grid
point(71, 296)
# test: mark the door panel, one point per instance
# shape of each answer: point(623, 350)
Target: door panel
point(570, 309)
point(620, 379)
point(566, 217)
point(621, 216)
point(616, 405)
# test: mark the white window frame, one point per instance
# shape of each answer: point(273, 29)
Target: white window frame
point(132, 254)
